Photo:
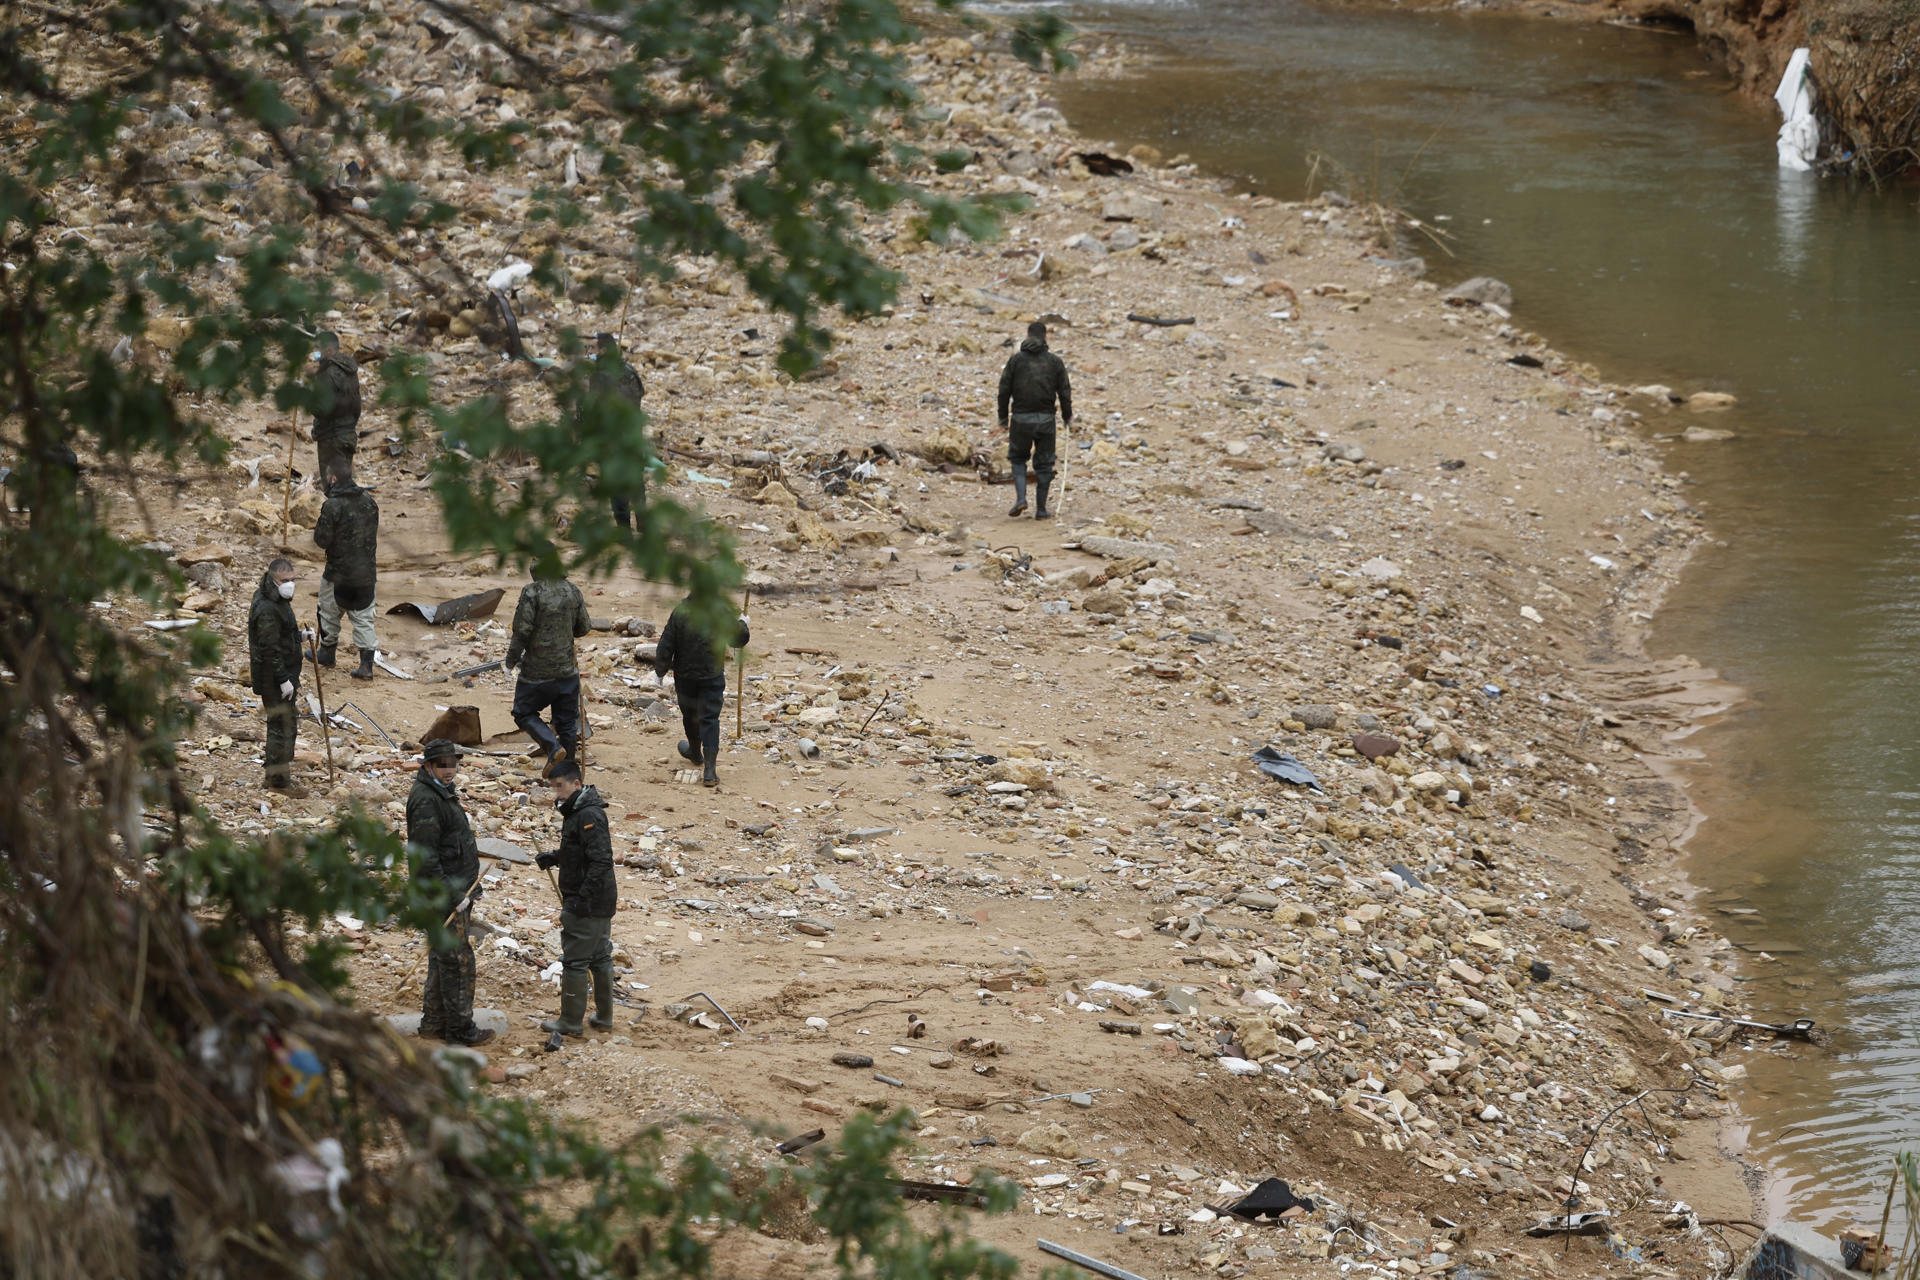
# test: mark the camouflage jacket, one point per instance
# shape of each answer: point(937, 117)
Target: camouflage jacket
point(1033, 379)
point(622, 379)
point(691, 654)
point(349, 532)
point(437, 826)
point(586, 856)
point(336, 388)
point(550, 614)
point(273, 639)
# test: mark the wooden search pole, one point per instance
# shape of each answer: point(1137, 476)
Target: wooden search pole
point(1060, 465)
point(740, 677)
point(408, 975)
point(320, 692)
point(286, 498)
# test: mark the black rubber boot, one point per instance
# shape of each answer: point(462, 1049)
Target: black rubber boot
point(1040, 511)
point(555, 757)
point(325, 656)
point(365, 670)
point(602, 1019)
point(472, 1038)
point(1019, 490)
point(573, 1006)
point(710, 776)
point(687, 752)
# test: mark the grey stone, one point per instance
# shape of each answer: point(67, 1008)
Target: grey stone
point(408, 1024)
point(1317, 715)
point(1126, 548)
point(1482, 290)
point(1182, 1002)
point(207, 575)
point(1575, 922)
point(1256, 900)
point(1129, 206)
point(1343, 452)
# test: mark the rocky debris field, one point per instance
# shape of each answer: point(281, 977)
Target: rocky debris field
point(997, 843)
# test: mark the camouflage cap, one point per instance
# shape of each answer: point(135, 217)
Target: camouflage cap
point(440, 749)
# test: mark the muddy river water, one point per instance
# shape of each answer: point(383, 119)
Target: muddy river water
point(1633, 203)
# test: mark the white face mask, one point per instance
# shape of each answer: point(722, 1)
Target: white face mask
point(286, 591)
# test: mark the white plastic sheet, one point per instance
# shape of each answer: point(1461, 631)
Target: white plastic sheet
point(1799, 140)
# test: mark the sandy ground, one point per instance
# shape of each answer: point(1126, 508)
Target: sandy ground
point(1340, 508)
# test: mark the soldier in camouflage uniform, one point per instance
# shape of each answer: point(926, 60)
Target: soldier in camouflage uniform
point(1030, 384)
point(611, 375)
point(349, 532)
point(551, 613)
point(699, 683)
point(273, 660)
point(336, 415)
point(588, 896)
point(438, 829)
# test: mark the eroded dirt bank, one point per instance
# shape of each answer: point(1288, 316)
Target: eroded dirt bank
point(1401, 540)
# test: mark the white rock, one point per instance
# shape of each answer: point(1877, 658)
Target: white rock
point(1381, 569)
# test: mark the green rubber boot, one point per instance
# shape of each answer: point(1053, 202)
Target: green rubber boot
point(573, 1006)
point(602, 1019)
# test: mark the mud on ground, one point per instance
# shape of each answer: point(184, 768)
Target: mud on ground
point(1332, 505)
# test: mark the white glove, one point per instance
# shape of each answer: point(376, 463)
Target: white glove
point(743, 619)
point(464, 904)
point(286, 689)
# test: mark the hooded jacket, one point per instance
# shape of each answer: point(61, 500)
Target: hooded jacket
point(349, 532)
point(689, 653)
point(586, 856)
point(551, 613)
point(337, 385)
point(273, 640)
point(1033, 379)
point(437, 825)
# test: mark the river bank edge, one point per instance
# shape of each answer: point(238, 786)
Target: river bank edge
point(1689, 696)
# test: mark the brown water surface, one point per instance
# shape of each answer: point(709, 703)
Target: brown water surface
point(1634, 205)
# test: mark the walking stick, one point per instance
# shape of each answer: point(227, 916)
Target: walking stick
point(1060, 466)
point(321, 693)
point(740, 678)
point(408, 975)
point(286, 498)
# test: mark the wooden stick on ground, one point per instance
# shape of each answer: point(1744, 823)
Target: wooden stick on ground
point(740, 677)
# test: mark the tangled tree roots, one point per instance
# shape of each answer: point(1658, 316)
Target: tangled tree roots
point(1866, 60)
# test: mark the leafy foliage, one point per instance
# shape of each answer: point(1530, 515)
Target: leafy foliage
point(189, 188)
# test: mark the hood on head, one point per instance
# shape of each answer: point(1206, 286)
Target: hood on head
point(268, 585)
point(1034, 346)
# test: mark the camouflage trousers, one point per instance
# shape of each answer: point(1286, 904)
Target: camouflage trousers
point(361, 619)
point(446, 1004)
point(283, 726)
point(331, 443)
